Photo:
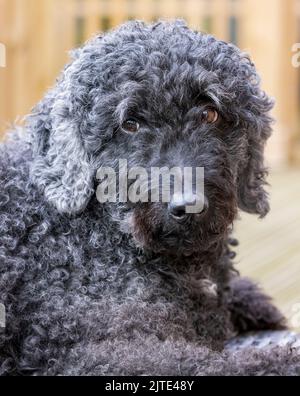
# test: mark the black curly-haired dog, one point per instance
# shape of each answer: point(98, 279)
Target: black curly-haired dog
point(123, 288)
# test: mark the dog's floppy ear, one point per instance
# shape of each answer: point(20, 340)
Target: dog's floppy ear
point(61, 167)
point(252, 196)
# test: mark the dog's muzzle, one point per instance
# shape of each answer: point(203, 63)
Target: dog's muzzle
point(187, 205)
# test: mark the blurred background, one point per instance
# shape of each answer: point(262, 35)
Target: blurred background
point(35, 36)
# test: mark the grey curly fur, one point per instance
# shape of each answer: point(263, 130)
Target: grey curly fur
point(121, 289)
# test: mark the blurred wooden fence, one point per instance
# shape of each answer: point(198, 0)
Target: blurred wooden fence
point(38, 33)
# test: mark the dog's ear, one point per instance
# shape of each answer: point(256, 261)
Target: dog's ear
point(61, 167)
point(252, 197)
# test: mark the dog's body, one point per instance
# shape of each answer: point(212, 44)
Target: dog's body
point(112, 288)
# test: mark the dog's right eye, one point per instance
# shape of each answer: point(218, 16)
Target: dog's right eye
point(210, 115)
point(130, 125)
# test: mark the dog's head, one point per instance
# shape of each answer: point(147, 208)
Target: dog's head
point(156, 96)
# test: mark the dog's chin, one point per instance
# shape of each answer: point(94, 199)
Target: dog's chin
point(167, 246)
point(153, 231)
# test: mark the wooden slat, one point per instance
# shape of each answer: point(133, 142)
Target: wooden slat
point(169, 9)
point(18, 67)
point(220, 10)
point(194, 13)
point(119, 11)
point(149, 14)
point(269, 250)
point(4, 80)
point(93, 8)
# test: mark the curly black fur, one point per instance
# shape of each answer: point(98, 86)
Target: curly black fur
point(122, 288)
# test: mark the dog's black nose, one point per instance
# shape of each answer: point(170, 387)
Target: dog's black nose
point(177, 210)
point(187, 205)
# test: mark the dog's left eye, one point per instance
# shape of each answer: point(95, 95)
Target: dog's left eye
point(210, 116)
point(130, 125)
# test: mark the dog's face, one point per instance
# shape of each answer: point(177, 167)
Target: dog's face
point(168, 113)
point(157, 96)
